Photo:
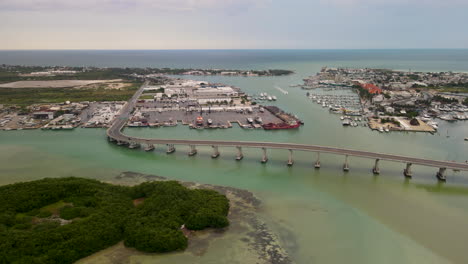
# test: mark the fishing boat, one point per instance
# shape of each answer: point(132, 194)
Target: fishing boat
point(199, 121)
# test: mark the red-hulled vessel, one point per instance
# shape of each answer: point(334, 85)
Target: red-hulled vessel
point(272, 126)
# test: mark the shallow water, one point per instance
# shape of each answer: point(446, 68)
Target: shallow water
point(320, 216)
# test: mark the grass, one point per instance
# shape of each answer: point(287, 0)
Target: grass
point(54, 208)
point(28, 96)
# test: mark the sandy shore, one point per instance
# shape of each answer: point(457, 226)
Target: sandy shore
point(246, 240)
point(54, 83)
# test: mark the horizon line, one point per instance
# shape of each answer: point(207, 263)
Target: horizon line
point(241, 49)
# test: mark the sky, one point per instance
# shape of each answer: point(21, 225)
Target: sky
point(233, 24)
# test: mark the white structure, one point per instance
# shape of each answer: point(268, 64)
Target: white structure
point(214, 91)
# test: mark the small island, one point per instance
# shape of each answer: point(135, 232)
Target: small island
point(63, 220)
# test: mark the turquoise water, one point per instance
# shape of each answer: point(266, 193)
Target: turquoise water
point(320, 216)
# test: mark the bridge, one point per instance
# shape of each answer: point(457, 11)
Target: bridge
point(115, 134)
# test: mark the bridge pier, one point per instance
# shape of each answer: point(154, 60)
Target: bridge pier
point(264, 158)
point(376, 169)
point(149, 147)
point(170, 148)
point(239, 156)
point(290, 160)
point(193, 150)
point(317, 162)
point(441, 175)
point(215, 152)
point(407, 172)
point(346, 164)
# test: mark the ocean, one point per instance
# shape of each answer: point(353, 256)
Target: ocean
point(319, 216)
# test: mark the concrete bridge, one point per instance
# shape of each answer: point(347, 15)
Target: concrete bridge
point(115, 134)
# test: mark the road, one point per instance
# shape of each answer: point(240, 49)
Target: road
point(115, 132)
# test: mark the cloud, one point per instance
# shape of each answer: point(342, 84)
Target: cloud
point(421, 3)
point(231, 6)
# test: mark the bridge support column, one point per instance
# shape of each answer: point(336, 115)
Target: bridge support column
point(193, 150)
point(407, 172)
point(239, 156)
point(215, 152)
point(170, 148)
point(317, 162)
point(376, 169)
point(149, 147)
point(290, 160)
point(441, 174)
point(264, 158)
point(346, 164)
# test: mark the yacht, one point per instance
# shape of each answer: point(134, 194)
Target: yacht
point(274, 98)
point(346, 122)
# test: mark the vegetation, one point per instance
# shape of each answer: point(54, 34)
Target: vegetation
point(33, 227)
point(444, 100)
point(390, 120)
point(363, 93)
point(19, 73)
point(465, 102)
point(28, 96)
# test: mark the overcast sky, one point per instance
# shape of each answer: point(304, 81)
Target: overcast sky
point(233, 24)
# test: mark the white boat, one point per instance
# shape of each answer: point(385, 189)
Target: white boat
point(209, 121)
point(381, 129)
point(250, 120)
point(346, 122)
point(274, 98)
point(270, 98)
point(387, 130)
point(261, 110)
point(258, 120)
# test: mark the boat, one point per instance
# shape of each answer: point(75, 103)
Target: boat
point(258, 120)
point(466, 139)
point(274, 98)
point(250, 120)
point(199, 121)
point(273, 126)
point(261, 110)
point(342, 117)
point(387, 130)
point(270, 98)
point(210, 122)
point(381, 129)
point(346, 122)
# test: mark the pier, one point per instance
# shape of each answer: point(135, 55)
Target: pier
point(115, 134)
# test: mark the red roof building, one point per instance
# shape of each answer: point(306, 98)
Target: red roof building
point(371, 88)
